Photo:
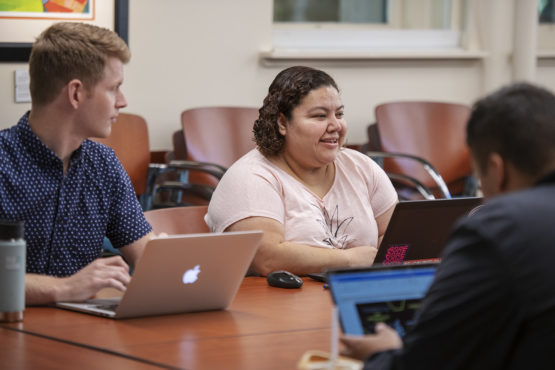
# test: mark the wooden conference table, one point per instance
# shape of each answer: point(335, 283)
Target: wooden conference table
point(264, 328)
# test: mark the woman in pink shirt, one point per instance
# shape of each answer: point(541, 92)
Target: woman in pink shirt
point(320, 205)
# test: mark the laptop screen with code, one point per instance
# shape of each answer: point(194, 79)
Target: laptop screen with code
point(390, 294)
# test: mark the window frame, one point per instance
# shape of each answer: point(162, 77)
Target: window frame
point(356, 41)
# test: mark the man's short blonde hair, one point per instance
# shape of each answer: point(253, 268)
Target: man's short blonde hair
point(67, 51)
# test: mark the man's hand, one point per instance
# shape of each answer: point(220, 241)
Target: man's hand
point(110, 272)
point(361, 347)
point(102, 273)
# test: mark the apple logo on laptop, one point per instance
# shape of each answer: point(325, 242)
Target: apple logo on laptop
point(190, 276)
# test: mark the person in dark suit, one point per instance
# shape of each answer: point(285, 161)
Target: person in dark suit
point(492, 303)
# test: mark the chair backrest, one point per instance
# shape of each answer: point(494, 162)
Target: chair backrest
point(129, 140)
point(179, 150)
point(178, 220)
point(218, 134)
point(434, 131)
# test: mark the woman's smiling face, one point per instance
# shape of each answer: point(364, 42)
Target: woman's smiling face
point(316, 130)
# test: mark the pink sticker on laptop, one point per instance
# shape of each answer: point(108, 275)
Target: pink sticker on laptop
point(395, 253)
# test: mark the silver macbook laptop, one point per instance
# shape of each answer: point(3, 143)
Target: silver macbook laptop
point(181, 273)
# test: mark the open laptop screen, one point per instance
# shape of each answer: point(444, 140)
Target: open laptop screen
point(389, 294)
point(418, 230)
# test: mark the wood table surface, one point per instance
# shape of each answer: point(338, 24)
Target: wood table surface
point(264, 328)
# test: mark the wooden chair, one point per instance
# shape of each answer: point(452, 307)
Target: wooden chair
point(423, 147)
point(181, 177)
point(178, 220)
point(129, 140)
point(218, 135)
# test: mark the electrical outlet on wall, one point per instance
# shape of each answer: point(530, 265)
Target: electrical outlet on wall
point(22, 93)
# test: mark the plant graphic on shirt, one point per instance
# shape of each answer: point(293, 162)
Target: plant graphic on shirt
point(334, 228)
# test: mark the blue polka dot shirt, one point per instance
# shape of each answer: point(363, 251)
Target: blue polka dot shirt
point(66, 216)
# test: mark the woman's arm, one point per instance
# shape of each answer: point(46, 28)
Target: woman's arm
point(383, 221)
point(274, 253)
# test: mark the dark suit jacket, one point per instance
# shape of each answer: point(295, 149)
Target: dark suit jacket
point(492, 303)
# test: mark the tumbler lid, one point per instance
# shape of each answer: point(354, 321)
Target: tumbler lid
point(11, 229)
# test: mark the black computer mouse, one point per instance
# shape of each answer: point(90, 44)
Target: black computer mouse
point(284, 279)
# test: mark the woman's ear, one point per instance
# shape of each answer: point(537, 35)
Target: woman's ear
point(282, 124)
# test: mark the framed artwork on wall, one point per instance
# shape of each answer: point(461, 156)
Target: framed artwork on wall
point(85, 11)
point(47, 9)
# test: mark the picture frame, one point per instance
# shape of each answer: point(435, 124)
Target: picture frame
point(20, 51)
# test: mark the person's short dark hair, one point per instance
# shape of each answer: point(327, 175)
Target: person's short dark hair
point(518, 123)
point(285, 93)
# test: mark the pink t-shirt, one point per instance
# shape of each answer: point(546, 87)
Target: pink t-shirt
point(345, 217)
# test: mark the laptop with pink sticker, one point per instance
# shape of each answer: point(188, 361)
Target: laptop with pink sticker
point(418, 230)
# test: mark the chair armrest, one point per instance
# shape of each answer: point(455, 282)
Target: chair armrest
point(211, 168)
point(199, 190)
point(158, 180)
point(422, 189)
point(156, 170)
point(430, 169)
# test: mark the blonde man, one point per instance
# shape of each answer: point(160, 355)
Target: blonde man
point(71, 192)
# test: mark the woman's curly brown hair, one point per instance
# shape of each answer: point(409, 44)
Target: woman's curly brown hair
point(285, 93)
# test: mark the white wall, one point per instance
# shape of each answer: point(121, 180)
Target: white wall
point(188, 53)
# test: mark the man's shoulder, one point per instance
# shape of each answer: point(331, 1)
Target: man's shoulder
point(521, 204)
point(98, 151)
point(100, 160)
point(92, 145)
point(10, 134)
point(513, 220)
point(11, 145)
point(7, 136)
